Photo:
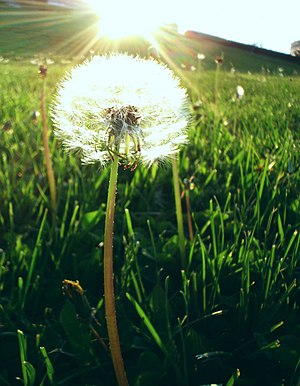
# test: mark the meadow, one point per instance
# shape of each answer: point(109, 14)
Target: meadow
point(228, 313)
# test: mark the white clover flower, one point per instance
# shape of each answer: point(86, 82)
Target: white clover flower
point(124, 105)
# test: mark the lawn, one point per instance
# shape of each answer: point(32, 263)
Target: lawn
point(228, 313)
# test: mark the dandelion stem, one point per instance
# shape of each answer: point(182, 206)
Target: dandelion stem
point(50, 173)
point(178, 206)
point(217, 83)
point(235, 116)
point(110, 308)
point(189, 217)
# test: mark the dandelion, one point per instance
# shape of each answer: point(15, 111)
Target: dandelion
point(120, 109)
point(49, 61)
point(240, 92)
point(7, 125)
point(219, 61)
point(188, 185)
point(65, 61)
point(35, 115)
point(153, 52)
point(121, 105)
point(197, 105)
point(34, 61)
point(200, 56)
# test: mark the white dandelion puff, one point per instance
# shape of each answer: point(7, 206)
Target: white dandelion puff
point(240, 92)
point(124, 105)
point(200, 56)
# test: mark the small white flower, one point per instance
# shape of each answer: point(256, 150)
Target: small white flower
point(240, 92)
point(124, 105)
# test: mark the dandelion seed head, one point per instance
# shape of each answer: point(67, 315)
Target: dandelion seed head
point(120, 104)
point(200, 56)
point(240, 92)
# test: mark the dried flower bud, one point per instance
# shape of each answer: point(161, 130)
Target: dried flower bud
point(42, 71)
point(219, 60)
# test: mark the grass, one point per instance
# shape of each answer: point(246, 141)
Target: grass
point(230, 317)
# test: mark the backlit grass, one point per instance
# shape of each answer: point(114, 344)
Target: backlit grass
point(230, 317)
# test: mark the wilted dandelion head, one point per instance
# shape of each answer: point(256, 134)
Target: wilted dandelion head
point(42, 71)
point(121, 105)
point(34, 115)
point(219, 60)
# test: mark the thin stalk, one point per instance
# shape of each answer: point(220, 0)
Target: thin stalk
point(218, 61)
point(110, 307)
point(178, 211)
point(217, 83)
point(189, 217)
point(49, 168)
point(235, 116)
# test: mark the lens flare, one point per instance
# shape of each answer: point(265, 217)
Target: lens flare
point(119, 19)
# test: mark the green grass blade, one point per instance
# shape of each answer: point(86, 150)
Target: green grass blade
point(155, 336)
point(28, 371)
point(49, 366)
point(33, 261)
point(148, 324)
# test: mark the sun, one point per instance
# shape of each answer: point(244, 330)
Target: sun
point(119, 18)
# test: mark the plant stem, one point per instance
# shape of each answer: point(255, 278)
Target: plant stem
point(50, 173)
point(235, 116)
point(189, 217)
point(178, 206)
point(217, 83)
point(110, 307)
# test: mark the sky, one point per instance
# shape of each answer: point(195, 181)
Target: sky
point(272, 25)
